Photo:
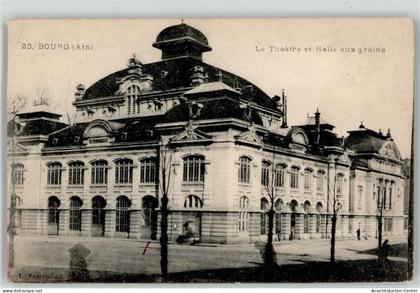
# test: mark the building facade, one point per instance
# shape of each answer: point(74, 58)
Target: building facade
point(222, 146)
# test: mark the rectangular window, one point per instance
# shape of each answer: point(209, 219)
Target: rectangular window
point(279, 177)
point(320, 183)
point(193, 169)
point(18, 174)
point(75, 219)
point(99, 173)
point(339, 184)
point(76, 174)
point(54, 174)
point(318, 223)
point(124, 172)
point(148, 171)
point(305, 223)
point(263, 223)
point(265, 174)
point(244, 172)
point(294, 180)
point(308, 180)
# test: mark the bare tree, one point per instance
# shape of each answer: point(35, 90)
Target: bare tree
point(379, 213)
point(335, 206)
point(270, 183)
point(14, 106)
point(165, 165)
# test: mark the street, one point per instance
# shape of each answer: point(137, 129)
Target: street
point(36, 254)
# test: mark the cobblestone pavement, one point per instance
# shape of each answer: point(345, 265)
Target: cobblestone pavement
point(130, 256)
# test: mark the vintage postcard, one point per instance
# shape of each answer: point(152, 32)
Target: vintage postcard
point(210, 150)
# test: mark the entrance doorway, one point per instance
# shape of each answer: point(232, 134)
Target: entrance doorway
point(293, 209)
point(149, 205)
point(98, 216)
point(53, 215)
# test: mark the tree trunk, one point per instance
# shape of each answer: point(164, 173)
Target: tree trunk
point(270, 257)
point(379, 232)
point(164, 236)
point(332, 252)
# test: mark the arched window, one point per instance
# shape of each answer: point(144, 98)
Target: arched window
point(148, 205)
point(244, 172)
point(320, 180)
point(99, 172)
point(265, 173)
point(193, 201)
point(339, 181)
point(307, 208)
point(294, 206)
point(279, 176)
point(148, 170)
point(243, 214)
point(294, 177)
point(122, 214)
point(264, 205)
point(53, 204)
point(76, 173)
point(98, 213)
point(308, 179)
point(18, 171)
point(75, 221)
point(318, 217)
point(279, 205)
point(133, 93)
point(54, 174)
point(124, 171)
point(193, 169)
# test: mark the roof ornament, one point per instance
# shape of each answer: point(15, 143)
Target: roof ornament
point(134, 65)
point(219, 76)
point(361, 125)
point(198, 76)
point(380, 131)
point(388, 134)
point(80, 91)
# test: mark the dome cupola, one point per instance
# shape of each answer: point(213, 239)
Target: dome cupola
point(181, 40)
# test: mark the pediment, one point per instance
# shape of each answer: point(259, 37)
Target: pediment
point(191, 134)
point(250, 137)
point(390, 150)
point(19, 148)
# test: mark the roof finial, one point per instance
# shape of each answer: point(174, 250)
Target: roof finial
point(182, 21)
point(380, 131)
point(388, 134)
point(220, 76)
point(361, 125)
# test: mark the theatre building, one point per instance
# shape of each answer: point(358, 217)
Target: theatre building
point(224, 146)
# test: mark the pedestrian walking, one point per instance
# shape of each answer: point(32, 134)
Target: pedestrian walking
point(383, 252)
point(358, 234)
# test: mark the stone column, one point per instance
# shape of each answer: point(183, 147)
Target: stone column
point(110, 223)
point(136, 221)
point(43, 222)
point(86, 223)
point(312, 226)
point(285, 226)
point(299, 226)
point(63, 228)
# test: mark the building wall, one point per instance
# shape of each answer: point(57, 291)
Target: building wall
point(218, 219)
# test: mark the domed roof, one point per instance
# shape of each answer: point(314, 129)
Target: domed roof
point(181, 31)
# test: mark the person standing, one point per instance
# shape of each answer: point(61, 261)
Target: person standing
point(358, 234)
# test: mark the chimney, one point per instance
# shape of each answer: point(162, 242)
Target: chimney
point(317, 125)
point(284, 103)
point(388, 134)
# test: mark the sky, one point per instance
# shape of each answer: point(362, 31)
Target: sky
point(349, 85)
